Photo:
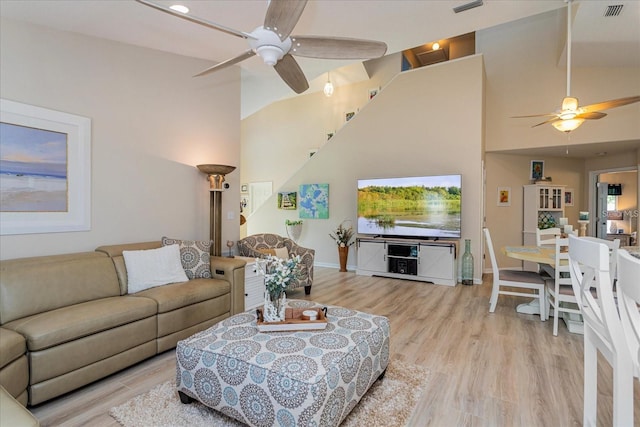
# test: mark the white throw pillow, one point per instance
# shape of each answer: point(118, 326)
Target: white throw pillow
point(153, 267)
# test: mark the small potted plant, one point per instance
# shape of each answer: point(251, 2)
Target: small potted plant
point(294, 229)
point(343, 237)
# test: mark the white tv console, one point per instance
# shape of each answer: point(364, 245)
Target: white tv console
point(424, 260)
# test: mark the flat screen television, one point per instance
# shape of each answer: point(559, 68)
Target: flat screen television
point(416, 207)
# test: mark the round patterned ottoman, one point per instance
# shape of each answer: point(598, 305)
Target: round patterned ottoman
point(308, 378)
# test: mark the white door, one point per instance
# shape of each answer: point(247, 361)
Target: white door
point(601, 210)
point(259, 192)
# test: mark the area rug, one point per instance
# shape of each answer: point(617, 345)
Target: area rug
point(388, 403)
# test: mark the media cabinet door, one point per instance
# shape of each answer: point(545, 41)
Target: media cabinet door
point(372, 256)
point(436, 262)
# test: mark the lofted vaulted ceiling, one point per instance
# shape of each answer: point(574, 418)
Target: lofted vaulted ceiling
point(402, 24)
point(598, 40)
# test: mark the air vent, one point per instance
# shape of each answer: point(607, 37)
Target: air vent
point(467, 6)
point(614, 10)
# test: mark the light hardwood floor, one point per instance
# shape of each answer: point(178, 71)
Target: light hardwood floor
point(487, 369)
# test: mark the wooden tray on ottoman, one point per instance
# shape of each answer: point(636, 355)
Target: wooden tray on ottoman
point(294, 320)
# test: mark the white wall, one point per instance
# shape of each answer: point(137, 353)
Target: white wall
point(406, 130)
point(151, 124)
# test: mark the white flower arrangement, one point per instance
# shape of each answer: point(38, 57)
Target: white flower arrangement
point(277, 272)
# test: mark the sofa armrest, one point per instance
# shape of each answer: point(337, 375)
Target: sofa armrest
point(296, 249)
point(13, 413)
point(231, 270)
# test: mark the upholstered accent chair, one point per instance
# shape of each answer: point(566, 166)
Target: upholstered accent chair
point(252, 246)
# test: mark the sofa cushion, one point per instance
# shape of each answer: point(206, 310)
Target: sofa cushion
point(178, 295)
point(153, 267)
point(194, 255)
point(115, 253)
point(29, 286)
point(66, 324)
point(12, 346)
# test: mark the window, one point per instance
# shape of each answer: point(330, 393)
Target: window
point(612, 203)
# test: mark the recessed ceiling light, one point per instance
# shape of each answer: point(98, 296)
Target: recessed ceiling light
point(179, 8)
point(435, 46)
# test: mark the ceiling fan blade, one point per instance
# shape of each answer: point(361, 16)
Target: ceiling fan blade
point(227, 63)
point(610, 104)
point(292, 74)
point(555, 119)
point(535, 115)
point(283, 15)
point(197, 20)
point(336, 47)
point(594, 115)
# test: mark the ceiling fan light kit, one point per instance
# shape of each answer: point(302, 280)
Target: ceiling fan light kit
point(571, 116)
point(567, 125)
point(274, 44)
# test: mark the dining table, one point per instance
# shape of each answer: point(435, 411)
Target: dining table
point(545, 257)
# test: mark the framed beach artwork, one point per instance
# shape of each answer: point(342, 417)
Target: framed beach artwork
point(313, 201)
point(504, 196)
point(45, 170)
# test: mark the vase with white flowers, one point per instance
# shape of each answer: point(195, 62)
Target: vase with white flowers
point(277, 272)
point(342, 236)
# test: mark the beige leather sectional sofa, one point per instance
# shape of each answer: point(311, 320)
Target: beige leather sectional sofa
point(68, 320)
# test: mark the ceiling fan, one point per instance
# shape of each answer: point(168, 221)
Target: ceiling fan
point(274, 44)
point(570, 116)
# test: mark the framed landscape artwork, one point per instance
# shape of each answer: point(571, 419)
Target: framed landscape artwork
point(45, 170)
point(314, 201)
point(287, 200)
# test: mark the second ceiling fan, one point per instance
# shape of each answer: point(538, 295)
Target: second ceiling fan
point(571, 116)
point(276, 46)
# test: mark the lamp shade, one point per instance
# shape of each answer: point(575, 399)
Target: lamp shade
point(567, 125)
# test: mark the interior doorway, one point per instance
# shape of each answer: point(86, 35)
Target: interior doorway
point(613, 198)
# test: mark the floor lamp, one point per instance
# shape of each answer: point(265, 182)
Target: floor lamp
point(216, 175)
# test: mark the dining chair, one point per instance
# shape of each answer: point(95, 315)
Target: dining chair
point(589, 268)
point(613, 246)
point(547, 236)
point(628, 290)
point(559, 291)
point(503, 278)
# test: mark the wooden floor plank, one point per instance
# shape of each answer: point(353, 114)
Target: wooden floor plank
point(487, 369)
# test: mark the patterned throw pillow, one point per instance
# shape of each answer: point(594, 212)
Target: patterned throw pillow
point(194, 256)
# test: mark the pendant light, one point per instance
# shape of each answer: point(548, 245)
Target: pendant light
point(328, 87)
